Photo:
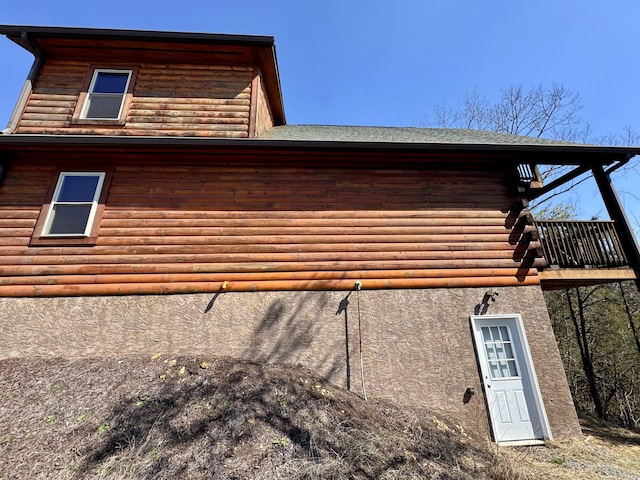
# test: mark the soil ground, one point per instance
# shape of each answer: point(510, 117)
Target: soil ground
point(175, 417)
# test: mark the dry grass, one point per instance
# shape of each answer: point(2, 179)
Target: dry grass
point(606, 452)
point(219, 419)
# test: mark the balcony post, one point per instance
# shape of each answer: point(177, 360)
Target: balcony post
point(617, 213)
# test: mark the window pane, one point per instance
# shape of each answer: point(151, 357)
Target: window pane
point(108, 82)
point(507, 347)
point(69, 219)
point(513, 371)
point(495, 334)
point(495, 372)
point(104, 106)
point(505, 333)
point(504, 370)
point(78, 188)
point(486, 334)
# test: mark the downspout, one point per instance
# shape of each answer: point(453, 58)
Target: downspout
point(28, 84)
point(616, 212)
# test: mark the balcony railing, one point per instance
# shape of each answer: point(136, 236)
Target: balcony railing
point(581, 244)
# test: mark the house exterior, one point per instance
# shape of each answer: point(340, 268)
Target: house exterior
point(153, 200)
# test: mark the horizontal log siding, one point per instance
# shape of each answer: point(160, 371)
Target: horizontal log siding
point(53, 98)
point(170, 229)
point(171, 100)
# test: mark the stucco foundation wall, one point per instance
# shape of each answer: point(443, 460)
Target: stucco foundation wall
point(417, 344)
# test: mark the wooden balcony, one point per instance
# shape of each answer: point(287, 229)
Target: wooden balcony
point(581, 253)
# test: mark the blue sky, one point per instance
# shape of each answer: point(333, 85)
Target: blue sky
point(389, 63)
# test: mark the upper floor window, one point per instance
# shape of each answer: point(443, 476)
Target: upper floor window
point(106, 94)
point(74, 204)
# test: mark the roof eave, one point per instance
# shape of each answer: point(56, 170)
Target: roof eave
point(15, 31)
point(560, 154)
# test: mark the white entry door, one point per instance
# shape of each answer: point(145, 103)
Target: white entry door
point(510, 384)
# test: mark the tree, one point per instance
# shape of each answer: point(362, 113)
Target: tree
point(585, 338)
point(596, 330)
point(538, 111)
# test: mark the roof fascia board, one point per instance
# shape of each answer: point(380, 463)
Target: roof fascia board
point(269, 65)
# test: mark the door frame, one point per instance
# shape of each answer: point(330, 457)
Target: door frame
point(526, 364)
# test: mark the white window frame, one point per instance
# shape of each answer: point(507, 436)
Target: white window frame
point(92, 212)
point(90, 93)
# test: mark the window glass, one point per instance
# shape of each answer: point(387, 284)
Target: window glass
point(78, 188)
point(495, 334)
point(104, 107)
point(504, 333)
point(69, 219)
point(107, 82)
point(486, 334)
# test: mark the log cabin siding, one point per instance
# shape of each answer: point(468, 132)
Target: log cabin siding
point(168, 100)
point(179, 228)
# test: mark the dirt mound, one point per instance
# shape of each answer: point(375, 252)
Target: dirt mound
point(196, 418)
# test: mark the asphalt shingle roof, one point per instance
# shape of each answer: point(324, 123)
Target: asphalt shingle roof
point(331, 133)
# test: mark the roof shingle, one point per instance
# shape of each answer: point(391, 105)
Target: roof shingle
point(458, 136)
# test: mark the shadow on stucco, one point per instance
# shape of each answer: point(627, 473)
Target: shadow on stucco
point(294, 330)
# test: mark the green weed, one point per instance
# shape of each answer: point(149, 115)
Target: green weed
point(58, 387)
point(282, 442)
point(557, 460)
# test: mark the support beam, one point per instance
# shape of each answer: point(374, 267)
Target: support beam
point(567, 177)
point(562, 278)
point(617, 213)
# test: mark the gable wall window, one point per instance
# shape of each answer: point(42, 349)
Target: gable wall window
point(74, 208)
point(105, 95)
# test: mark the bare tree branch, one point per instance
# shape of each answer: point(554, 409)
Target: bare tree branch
point(559, 191)
point(539, 111)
